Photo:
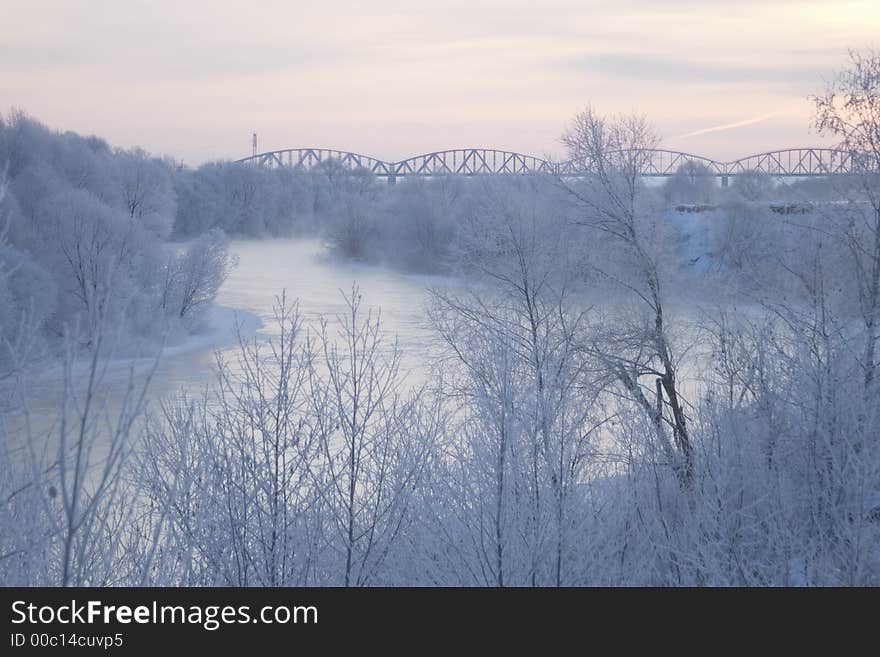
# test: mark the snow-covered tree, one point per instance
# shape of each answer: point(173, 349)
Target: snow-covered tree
point(849, 111)
point(615, 208)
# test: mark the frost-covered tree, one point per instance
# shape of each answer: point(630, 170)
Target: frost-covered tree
point(692, 182)
point(753, 186)
point(146, 190)
point(91, 246)
point(193, 277)
point(230, 473)
point(615, 208)
point(374, 442)
point(240, 199)
point(849, 111)
point(348, 203)
point(67, 501)
point(85, 224)
point(419, 223)
point(528, 409)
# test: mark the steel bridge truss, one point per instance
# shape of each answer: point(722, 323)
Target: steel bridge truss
point(655, 163)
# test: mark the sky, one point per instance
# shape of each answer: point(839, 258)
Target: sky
point(193, 79)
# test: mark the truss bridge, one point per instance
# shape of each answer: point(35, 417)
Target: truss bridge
point(656, 163)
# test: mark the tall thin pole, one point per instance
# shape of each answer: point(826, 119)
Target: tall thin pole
point(255, 143)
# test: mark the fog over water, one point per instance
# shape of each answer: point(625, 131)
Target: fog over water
point(303, 269)
point(299, 267)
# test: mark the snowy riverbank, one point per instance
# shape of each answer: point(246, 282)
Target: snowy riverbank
point(220, 329)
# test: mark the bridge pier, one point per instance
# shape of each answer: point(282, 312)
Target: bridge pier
point(392, 179)
point(725, 179)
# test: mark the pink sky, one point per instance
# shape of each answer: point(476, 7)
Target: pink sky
point(393, 79)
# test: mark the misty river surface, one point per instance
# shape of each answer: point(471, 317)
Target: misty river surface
point(303, 269)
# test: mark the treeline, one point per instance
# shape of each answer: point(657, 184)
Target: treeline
point(422, 224)
point(737, 246)
point(89, 234)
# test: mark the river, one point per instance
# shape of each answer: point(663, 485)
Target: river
point(302, 268)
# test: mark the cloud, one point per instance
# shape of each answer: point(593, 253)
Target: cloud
point(732, 126)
